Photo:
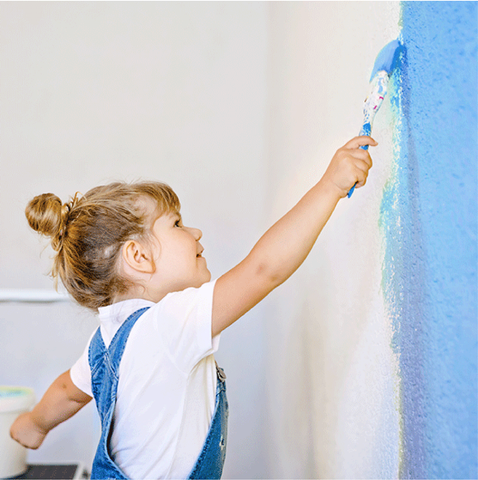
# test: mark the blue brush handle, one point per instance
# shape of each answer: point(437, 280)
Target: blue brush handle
point(366, 130)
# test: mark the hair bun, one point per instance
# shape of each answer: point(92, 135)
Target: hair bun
point(46, 215)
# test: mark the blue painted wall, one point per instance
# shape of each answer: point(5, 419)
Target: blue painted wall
point(429, 219)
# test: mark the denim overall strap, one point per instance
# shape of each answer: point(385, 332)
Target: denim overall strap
point(104, 364)
point(210, 462)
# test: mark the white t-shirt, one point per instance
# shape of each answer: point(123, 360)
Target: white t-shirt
point(167, 383)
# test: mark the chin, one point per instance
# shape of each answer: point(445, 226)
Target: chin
point(205, 278)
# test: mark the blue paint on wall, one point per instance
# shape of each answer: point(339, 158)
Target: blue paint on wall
point(429, 219)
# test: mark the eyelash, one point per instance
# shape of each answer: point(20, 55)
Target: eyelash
point(177, 224)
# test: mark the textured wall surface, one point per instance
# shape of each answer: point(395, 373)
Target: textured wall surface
point(429, 217)
point(332, 382)
point(373, 343)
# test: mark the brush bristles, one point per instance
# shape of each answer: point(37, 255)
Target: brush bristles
point(386, 59)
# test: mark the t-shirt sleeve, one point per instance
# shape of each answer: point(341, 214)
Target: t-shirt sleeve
point(80, 372)
point(184, 320)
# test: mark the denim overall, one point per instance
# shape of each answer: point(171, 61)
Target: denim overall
point(104, 364)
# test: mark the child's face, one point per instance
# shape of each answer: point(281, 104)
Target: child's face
point(177, 255)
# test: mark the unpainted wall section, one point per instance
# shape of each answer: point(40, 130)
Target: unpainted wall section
point(93, 92)
point(332, 379)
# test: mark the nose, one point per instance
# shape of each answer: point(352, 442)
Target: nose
point(195, 232)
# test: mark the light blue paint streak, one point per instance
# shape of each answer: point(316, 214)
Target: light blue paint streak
point(429, 218)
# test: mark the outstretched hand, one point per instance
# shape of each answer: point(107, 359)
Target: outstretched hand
point(349, 166)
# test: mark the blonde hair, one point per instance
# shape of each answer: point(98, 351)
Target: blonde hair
point(87, 234)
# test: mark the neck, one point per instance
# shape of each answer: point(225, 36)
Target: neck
point(140, 291)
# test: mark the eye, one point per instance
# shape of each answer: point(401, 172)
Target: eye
point(178, 223)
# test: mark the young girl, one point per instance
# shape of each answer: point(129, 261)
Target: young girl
point(122, 250)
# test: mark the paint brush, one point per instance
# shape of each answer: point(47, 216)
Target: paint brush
point(382, 69)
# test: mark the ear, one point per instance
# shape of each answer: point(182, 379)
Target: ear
point(137, 257)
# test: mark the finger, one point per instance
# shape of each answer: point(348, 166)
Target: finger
point(361, 155)
point(362, 165)
point(361, 141)
point(368, 160)
point(361, 179)
point(361, 173)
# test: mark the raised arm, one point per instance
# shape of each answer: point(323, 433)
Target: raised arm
point(283, 248)
point(60, 402)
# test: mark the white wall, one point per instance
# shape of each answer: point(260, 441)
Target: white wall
point(331, 378)
point(239, 106)
point(94, 92)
